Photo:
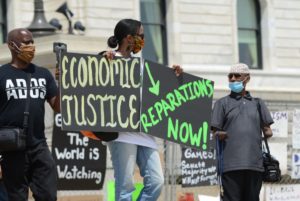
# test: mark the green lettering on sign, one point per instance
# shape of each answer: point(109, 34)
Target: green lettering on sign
point(155, 85)
point(183, 132)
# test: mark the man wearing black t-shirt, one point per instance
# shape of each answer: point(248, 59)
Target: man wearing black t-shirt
point(34, 167)
point(238, 120)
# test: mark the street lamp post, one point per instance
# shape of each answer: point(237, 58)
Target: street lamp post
point(39, 25)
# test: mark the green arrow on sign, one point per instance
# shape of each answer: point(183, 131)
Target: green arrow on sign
point(155, 86)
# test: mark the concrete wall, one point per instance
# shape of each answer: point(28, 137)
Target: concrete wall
point(287, 33)
point(206, 34)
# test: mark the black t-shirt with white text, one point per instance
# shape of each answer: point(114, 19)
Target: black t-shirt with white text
point(13, 95)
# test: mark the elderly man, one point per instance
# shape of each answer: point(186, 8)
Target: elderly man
point(33, 167)
point(238, 120)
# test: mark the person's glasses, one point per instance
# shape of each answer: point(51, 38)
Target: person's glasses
point(140, 35)
point(236, 75)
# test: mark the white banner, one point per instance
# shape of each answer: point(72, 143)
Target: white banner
point(208, 198)
point(280, 126)
point(296, 129)
point(296, 166)
point(283, 192)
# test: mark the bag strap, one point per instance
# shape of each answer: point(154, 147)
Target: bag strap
point(26, 112)
point(259, 112)
point(264, 138)
point(267, 146)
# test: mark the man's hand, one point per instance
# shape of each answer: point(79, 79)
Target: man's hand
point(222, 135)
point(57, 73)
point(177, 69)
point(267, 131)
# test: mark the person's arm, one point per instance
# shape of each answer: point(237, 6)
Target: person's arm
point(54, 102)
point(217, 120)
point(266, 119)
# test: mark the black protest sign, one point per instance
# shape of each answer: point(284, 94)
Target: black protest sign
point(198, 167)
point(177, 109)
point(99, 94)
point(80, 161)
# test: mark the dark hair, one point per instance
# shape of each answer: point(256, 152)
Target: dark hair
point(123, 28)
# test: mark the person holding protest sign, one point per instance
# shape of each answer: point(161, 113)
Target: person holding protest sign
point(238, 120)
point(24, 88)
point(134, 148)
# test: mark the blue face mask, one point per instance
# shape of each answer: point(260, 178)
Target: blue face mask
point(236, 87)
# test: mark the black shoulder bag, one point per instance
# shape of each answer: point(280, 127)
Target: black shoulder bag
point(272, 172)
point(14, 138)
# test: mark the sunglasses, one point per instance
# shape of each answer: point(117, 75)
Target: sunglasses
point(236, 75)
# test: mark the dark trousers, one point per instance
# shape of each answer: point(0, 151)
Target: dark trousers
point(3, 194)
point(33, 168)
point(242, 185)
